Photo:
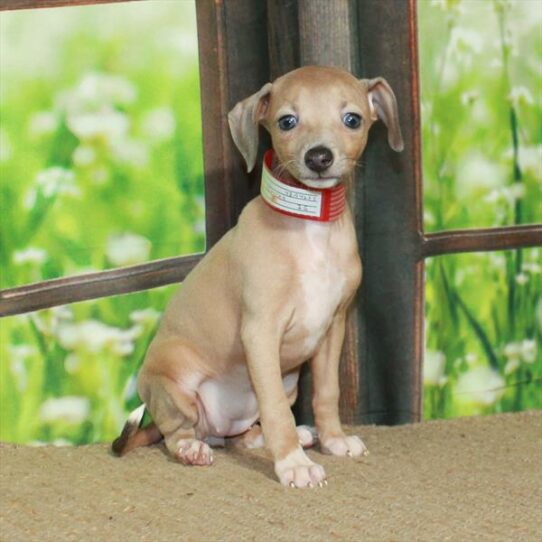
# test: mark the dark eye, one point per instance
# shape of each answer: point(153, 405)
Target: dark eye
point(352, 120)
point(287, 122)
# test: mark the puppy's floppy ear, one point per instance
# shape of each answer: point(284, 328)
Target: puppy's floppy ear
point(244, 119)
point(384, 107)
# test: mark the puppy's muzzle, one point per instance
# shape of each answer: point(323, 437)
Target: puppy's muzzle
point(318, 159)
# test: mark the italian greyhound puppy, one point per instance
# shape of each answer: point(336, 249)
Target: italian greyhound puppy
point(274, 291)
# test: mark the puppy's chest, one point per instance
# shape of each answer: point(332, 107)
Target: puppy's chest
point(328, 271)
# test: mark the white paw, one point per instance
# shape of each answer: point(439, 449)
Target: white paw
point(307, 435)
point(297, 470)
point(194, 452)
point(349, 446)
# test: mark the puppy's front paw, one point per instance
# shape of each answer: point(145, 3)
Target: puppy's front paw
point(345, 446)
point(297, 470)
point(194, 452)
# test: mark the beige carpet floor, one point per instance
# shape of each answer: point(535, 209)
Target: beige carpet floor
point(471, 479)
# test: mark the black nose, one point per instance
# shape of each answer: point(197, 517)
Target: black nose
point(318, 159)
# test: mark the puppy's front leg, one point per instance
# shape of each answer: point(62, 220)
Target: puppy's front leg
point(326, 391)
point(292, 465)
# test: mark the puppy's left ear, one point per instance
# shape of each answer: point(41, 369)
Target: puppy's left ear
point(384, 107)
point(244, 119)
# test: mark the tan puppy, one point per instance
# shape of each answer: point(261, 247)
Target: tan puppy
point(274, 292)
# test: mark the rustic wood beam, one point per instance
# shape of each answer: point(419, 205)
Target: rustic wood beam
point(38, 4)
point(478, 240)
point(50, 293)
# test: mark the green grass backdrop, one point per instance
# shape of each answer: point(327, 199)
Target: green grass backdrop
point(101, 166)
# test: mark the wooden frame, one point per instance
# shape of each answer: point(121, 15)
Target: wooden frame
point(245, 43)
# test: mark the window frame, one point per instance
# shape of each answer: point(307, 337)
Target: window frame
point(242, 45)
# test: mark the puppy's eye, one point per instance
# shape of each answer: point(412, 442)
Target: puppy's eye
point(287, 122)
point(352, 120)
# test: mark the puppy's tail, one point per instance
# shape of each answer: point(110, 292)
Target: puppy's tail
point(132, 436)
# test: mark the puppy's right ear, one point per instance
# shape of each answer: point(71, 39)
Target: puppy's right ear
point(244, 119)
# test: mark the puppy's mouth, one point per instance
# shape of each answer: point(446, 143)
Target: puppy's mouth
point(321, 182)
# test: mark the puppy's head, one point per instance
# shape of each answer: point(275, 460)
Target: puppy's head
point(319, 119)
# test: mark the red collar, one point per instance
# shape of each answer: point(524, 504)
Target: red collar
point(290, 197)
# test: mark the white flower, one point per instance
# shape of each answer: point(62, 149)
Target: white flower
point(48, 321)
point(69, 409)
point(19, 354)
point(471, 358)
point(61, 443)
point(51, 182)
point(83, 156)
point(43, 123)
point(516, 191)
point(511, 366)
point(94, 336)
point(480, 385)
point(528, 350)
point(146, 317)
point(522, 279)
point(464, 41)
point(127, 249)
point(106, 124)
point(98, 90)
point(130, 152)
point(512, 350)
point(159, 124)
point(428, 218)
point(433, 368)
point(31, 255)
point(531, 160)
point(57, 180)
point(72, 363)
point(448, 6)
point(99, 175)
point(5, 147)
point(494, 196)
point(508, 194)
point(199, 227)
point(22, 351)
point(502, 5)
point(497, 260)
point(101, 87)
point(477, 173)
point(469, 97)
point(531, 267)
point(520, 96)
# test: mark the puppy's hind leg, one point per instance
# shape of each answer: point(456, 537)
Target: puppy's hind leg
point(133, 436)
point(253, 438)
point(175, 413)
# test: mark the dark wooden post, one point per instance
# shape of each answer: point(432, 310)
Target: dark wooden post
point(380, 369)
point(389, 224)
point(325, 33)
point(233, 64)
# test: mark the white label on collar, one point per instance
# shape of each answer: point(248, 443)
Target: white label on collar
point(289, 198)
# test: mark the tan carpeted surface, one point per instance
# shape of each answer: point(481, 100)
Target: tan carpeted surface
point(467, 480)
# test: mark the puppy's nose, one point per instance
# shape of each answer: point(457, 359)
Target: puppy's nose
point(318, 159)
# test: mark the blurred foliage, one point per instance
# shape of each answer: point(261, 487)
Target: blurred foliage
point(481, 92)
point(101, 166)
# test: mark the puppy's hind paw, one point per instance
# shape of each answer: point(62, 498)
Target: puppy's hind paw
point(194, 452)
point(307, 435)
point(345, 446)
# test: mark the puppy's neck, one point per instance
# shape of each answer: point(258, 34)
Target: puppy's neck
point(286, 195)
